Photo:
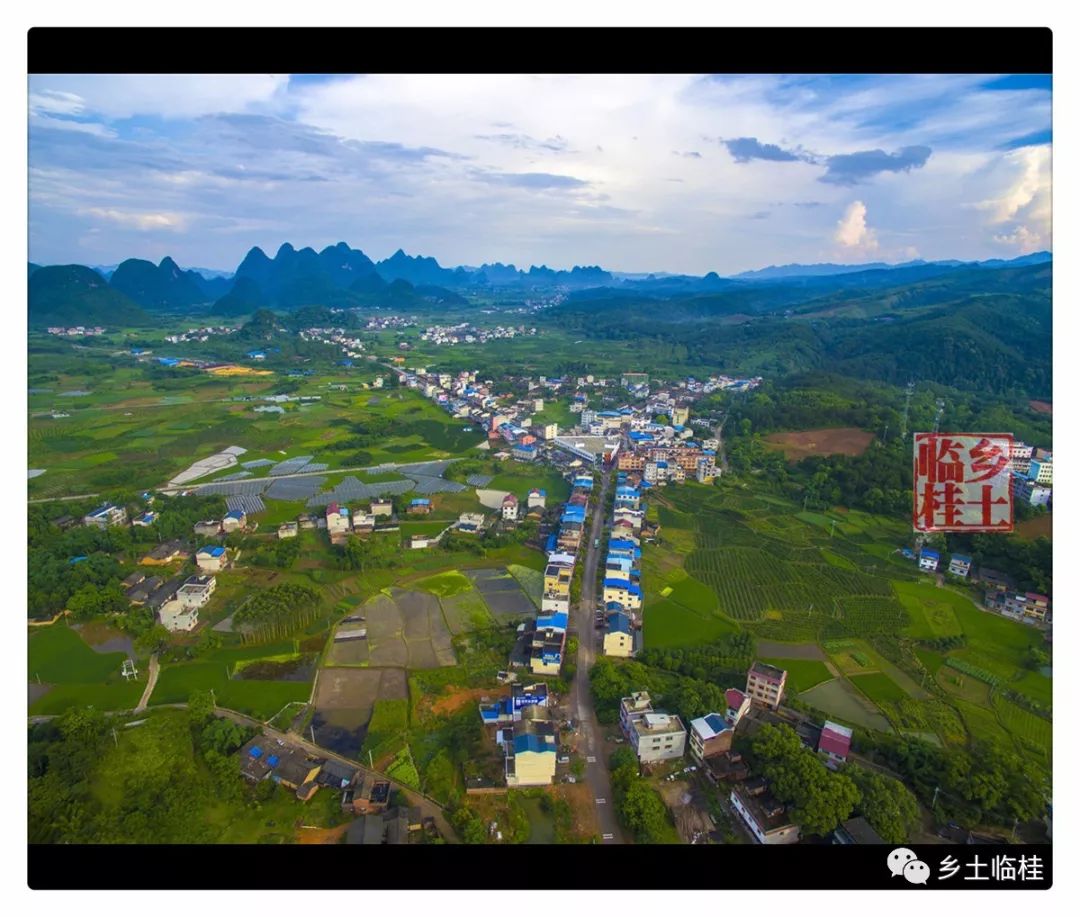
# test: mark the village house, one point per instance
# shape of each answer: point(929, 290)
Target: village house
point(530, 750)
point(510, 508)
point(382, 508)
point(288, 530)
point(618, 635)
point(166, 553)
point(712, 734)
point(105, 515)
point(363, 522)
point(537, 499)
point(176, 616)
point(765, 684)
point(622, 590)
point(929, 560)
point(371, 796)
point(338, 523)
point(209, 528)
point(470, 523)
point(763, 814)
point(145, 520)
point(835, 744)
point(196, 591)
point(234, 520)
point(656, 736)
point(419, 506)
point(1028, 607)
point(510, 709)
point(211, 558)
point(960, 565)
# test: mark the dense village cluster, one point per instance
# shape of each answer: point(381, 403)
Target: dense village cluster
point(348, 343)
point(468, 333)
point(76, 331)
point(199, 334)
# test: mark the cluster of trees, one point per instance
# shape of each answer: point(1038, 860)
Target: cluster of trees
point(376, 552)
point(639, 807)
point(818, 799)
point(718, 661)
point(278, 553)
point(92, 586)
point(1030, 563)
point(688, 697)
point(986, 783)
point(168, 771)
point(277, 611)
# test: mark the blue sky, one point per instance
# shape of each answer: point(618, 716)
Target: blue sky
point(683, 173)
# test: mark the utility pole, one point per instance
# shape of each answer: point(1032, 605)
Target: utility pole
point(907, 404)
point(371, 763)
point(116, 741)
point(885, 435)
point(933, 803)
point(312, 728)
point(832, 528)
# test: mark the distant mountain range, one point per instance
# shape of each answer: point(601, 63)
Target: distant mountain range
point(340, 276)
point(787, 271)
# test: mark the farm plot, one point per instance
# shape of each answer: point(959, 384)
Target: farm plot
point(502, 593)
point(1029, 729)
point(930, 610)
point(838, 441)
point(64, 672)
point(466, 611)
point(344, 702)
point(879, 687)
point(804, 674)
point(669, 624)
point(840, 699)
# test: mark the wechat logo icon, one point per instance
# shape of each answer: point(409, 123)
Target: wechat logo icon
point(904, 862)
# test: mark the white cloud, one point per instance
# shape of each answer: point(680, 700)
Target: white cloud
point(174, 95)
point(1023, 240)
point(852, 231)
point(144, 221)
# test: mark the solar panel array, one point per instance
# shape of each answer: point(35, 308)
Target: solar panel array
point(479, 480)
point(236, 476)
point(235, 488)
point(431, 485)
point(257, 463)
point(295, 488)
point(250, 503)
point(352, 490)
point(315, 466)
point(291, 466)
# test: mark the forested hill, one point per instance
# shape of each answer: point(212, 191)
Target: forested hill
point(979, 330)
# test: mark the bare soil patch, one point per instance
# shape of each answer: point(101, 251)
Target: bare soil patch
point(457, 698)
point(1043, 407)
point(1041, 526)
point(833, 441)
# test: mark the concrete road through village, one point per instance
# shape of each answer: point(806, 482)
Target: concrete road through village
point(591, 742)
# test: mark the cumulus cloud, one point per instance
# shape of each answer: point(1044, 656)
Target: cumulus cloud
point(852, 231)
point(852, 168)
point(1022, 239)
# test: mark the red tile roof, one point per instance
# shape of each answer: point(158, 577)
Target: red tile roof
point(835, 743)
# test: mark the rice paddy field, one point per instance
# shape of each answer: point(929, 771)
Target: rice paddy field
point(137, 428)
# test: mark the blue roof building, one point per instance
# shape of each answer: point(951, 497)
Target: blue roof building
point(619, 623)
point(556, 621)
point(214, 550)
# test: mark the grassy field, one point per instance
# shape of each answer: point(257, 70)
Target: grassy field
point(930, 609)
point(261, 699)
point(879, 687)
point(77, 675)
point(138, 428)
point(803, 674)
